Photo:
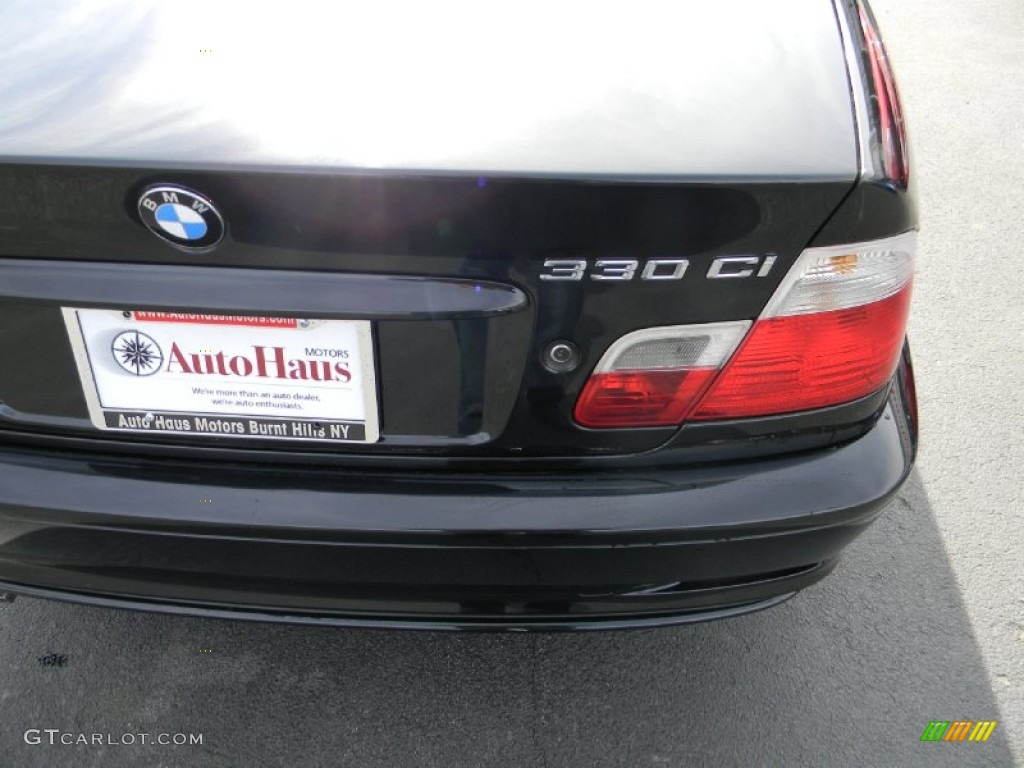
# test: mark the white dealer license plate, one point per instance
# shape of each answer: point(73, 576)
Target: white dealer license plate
point(226, 375)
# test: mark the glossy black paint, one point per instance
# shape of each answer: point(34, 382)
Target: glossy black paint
point(481, 550)
point(873, 210)
point(483, 505)
point(242, 291)
point(695, 444)
point(876, 207)
point(367, 245)
point(431, 89)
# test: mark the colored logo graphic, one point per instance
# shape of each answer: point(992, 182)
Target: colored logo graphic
point(959, 730)
point(180, 221)
point(180, 216)
point(137, 353)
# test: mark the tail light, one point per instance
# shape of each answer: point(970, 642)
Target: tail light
point(892, 135)
point(654, 377)
point(832, 333)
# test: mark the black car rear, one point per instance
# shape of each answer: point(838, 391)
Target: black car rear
point(547, 392)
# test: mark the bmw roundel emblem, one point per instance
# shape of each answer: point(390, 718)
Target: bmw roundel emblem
point(181, 216)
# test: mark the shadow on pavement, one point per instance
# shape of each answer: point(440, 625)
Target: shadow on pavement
point(848, 673)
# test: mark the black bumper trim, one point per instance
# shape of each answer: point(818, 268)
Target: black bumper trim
point(502, 623)
point(460, 508)
point(442, 550)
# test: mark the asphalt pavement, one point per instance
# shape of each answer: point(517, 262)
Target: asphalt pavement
point(923, 620)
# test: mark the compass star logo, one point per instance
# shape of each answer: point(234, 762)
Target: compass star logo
point(137, 353)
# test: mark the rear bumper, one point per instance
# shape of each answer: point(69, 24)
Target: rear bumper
point(442, 551)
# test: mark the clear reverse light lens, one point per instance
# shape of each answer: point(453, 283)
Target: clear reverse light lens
point(655, 376)
point(840, 277)
point(673, 347)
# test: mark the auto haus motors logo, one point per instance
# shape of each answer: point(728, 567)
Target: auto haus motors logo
point(176, 380)
point(263, 362)
point(138, 354)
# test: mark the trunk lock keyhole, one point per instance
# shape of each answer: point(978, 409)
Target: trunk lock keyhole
point(561, 356)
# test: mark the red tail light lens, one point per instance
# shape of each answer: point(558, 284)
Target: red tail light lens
point(832, 333)
point(891, 128)
point(641, 398)
point(810, 361)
